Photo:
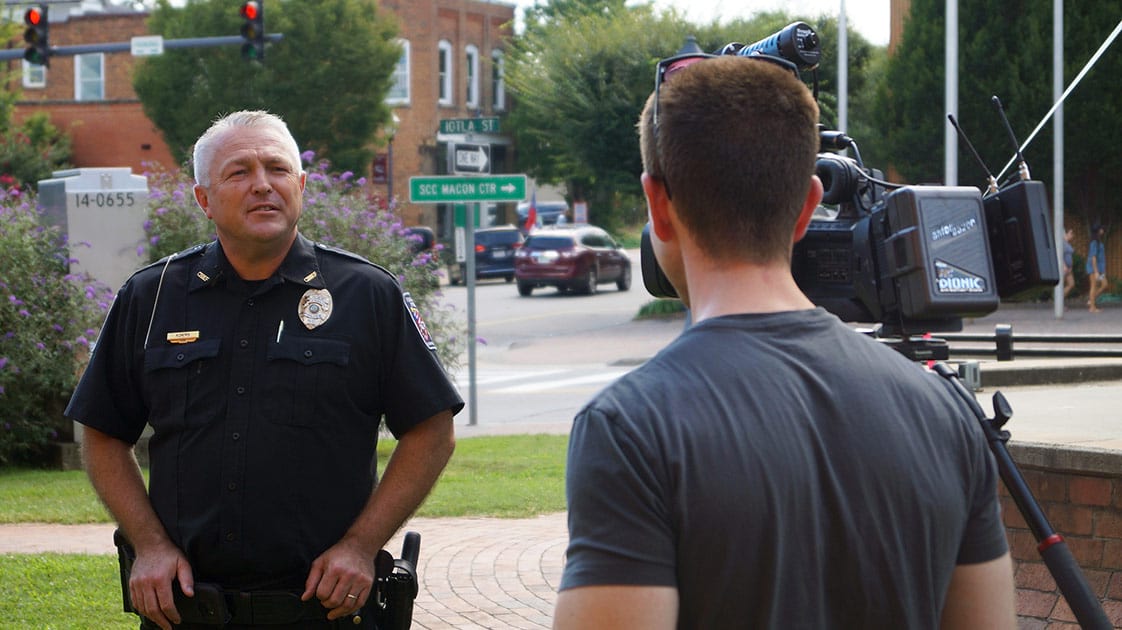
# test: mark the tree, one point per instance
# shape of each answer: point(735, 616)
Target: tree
point(327, 78)
point(1006, 51)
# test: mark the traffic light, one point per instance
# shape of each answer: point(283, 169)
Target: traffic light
point(253, 30)
point(37, 36)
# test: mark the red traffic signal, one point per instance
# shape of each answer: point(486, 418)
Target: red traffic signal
point(253, 30)
point(37, 36)
point(250, 10)
point(34, 16)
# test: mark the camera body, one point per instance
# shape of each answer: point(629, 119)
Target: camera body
point(913, 259)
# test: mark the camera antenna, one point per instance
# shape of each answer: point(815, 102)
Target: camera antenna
point(1022, 166)
point(989, 176)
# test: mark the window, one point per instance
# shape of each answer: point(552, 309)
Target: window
point(89, 77)
point(498, 81)
point(34, 75)
point(472, 68)
point(399, 90)
point(444, 57)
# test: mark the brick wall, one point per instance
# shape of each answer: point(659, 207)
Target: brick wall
point(1080, 492)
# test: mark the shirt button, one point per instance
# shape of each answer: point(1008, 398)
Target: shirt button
point(236, 436)
point(244, 343)
point(231, 537)
point(231, 486)
point(240, 390)
point(179, 357)
point(307, 354)
point(249, 301)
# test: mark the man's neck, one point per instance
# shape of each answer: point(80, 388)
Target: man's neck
point(719, 288)
point(254, 261)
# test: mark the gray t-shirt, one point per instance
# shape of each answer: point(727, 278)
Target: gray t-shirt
point(781, 471)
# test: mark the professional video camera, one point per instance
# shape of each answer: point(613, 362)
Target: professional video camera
point(912, 259)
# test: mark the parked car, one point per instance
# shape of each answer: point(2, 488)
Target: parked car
point(494, 254)
point(548, 212)
point(574, 258)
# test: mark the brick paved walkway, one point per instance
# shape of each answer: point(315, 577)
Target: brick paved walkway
point(474, 572)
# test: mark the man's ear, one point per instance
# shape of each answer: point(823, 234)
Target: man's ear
point(810, 204)
point(202, 199)
point(658, 204)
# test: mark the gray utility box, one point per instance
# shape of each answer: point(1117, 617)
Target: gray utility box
point(102, 213)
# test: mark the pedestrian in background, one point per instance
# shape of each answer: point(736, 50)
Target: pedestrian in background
point(264, 364)
point(771, 467)
point(1096, 266)
point(1069, 255)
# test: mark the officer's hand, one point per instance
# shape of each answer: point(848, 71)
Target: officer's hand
point(150, 583)
point(341, 578)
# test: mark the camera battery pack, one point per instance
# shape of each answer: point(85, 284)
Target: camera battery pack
point(937, 252)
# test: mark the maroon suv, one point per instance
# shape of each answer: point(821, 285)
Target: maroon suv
point(573, 258)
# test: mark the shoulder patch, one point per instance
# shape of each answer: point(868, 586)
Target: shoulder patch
point(415, 313)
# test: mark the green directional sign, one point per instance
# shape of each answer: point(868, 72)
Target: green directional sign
point(454, 189)
point(469, 125)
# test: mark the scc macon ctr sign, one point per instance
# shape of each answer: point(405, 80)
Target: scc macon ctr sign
point(454, 189)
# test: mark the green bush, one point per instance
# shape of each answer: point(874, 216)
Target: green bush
point(47, 318)
point(32, 151)
point(337, 212)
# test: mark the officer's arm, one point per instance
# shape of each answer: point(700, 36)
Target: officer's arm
point(116, 477)
point(617, 607)
point(981, 596)
point(347, 567)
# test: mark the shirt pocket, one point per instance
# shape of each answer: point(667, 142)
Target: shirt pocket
point(181, 379)
point(306, 377)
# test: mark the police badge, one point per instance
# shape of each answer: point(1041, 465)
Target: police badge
point(315, 307)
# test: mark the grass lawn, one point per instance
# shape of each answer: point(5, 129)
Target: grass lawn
point(504, 476)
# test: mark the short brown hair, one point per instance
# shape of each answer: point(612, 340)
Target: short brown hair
point(736, 146)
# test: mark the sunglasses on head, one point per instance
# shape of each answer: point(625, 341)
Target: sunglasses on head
point(670, 65)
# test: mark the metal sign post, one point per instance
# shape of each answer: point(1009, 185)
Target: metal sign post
point(460, 189)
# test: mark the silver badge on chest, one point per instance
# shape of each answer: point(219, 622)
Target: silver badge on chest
point(315, 307)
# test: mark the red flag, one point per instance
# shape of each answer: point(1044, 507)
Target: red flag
point(532, 215)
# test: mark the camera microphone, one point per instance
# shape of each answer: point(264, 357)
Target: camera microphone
point(797, 43)
point(992, 181)
point(1022, 166)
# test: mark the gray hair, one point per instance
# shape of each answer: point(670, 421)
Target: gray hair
point(206, 145)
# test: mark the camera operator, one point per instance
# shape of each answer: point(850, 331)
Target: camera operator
point(770, 468)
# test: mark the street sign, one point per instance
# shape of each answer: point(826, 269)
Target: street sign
point(146, 45)
point(469, 125)
point(471, 158)
point(453, 189)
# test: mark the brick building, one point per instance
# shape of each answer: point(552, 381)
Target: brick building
point(451, 68)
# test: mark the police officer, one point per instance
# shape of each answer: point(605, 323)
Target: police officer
point(263, 363)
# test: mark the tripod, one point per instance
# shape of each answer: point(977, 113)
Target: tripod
point(1057, 557)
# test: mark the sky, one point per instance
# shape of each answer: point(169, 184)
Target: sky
point(868, 17)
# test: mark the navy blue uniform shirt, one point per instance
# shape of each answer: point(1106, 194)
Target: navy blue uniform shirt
point(264, 429)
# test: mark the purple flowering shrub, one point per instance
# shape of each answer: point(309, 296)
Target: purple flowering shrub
point(337, 212)
point(48, 316)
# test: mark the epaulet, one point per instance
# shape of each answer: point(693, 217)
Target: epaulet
point(353, 256)
point(342, 252)
point(187, 253)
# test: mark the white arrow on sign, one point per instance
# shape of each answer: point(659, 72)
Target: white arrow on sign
point(509, 188)
point(472, 158)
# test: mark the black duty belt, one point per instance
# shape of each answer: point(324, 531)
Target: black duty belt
point(212, 605)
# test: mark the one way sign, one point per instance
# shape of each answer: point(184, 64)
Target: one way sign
point(471, 158)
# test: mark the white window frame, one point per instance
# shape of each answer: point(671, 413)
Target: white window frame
point(498, 80)
point(445, 75)
point(34, 75)
point(79, 92)
point(471, 67)
point(400, 92)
